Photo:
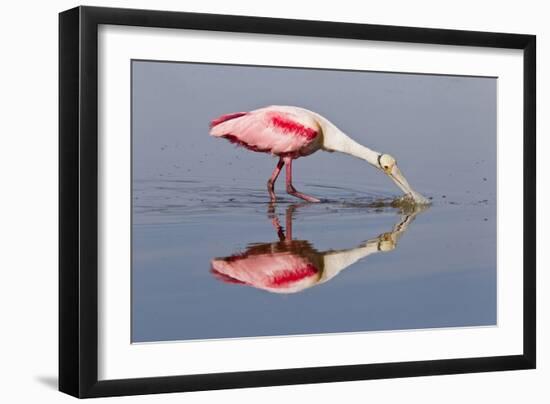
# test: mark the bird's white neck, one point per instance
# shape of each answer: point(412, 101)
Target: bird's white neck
point(336, 140)
point(336, 261)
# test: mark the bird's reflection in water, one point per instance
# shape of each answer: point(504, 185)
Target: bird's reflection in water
point(290, 266)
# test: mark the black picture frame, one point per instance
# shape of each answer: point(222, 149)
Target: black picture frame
point(78, 201)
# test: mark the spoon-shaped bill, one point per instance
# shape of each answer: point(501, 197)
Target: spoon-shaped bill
point(397, 176)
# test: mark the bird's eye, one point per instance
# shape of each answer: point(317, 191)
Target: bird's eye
point(386, 167)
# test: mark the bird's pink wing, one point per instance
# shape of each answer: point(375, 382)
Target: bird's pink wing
point(269, 131)
point(277, 272)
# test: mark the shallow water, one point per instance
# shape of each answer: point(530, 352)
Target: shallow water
point(217, 261)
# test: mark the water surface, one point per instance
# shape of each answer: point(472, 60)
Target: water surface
point(402, 269)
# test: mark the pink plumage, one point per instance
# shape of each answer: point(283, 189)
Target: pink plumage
point(278, 131)
point(226, 117)
point(280, 272)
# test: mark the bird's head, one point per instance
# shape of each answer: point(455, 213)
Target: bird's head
point(388, 165)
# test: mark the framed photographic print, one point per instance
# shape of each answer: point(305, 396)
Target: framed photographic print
point(252, 201)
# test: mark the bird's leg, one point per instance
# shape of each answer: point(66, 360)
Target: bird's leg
point(290, 188)
point(288, 217)
point(271, 214)
point(273, 178)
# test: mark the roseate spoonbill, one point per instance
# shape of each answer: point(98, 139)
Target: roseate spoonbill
point(290, 266)
point(293, 132)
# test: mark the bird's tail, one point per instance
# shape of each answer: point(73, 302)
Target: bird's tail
point(225, 118)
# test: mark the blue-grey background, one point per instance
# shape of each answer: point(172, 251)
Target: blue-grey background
point(196, 197)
